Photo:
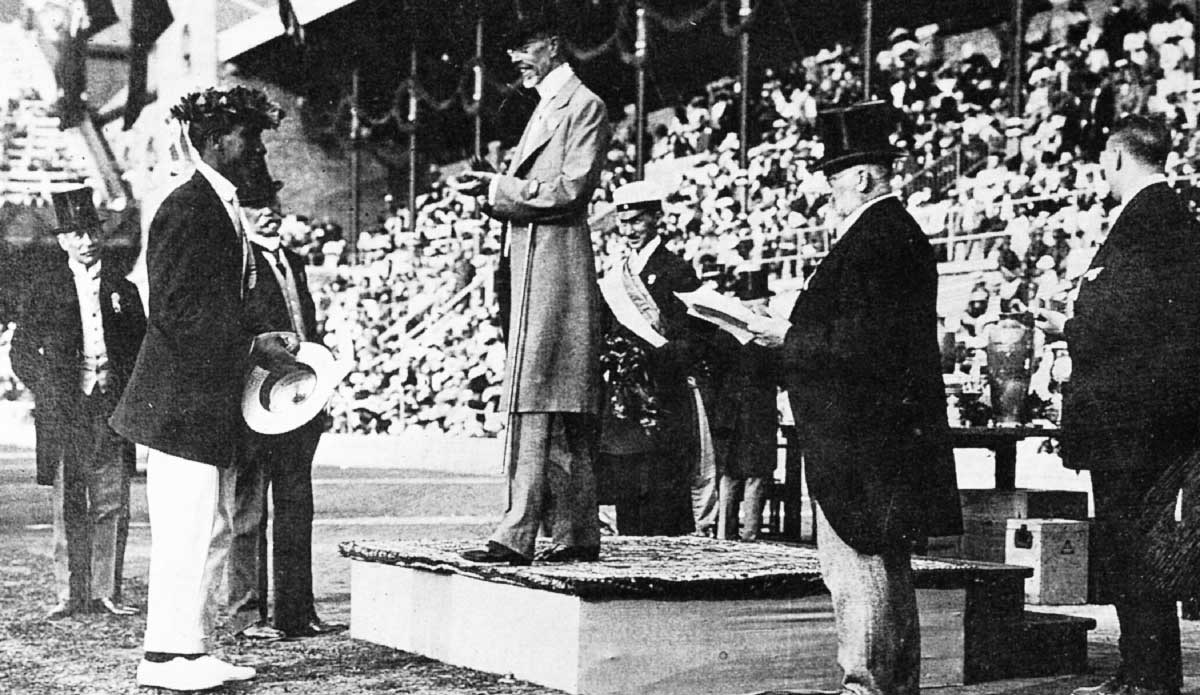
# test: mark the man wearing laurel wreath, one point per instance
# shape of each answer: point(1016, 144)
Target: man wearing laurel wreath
point(184, 396)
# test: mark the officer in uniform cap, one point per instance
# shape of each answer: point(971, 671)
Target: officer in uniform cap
point(653, 430)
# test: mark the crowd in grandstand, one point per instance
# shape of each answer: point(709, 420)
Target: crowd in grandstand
point(1027, 199)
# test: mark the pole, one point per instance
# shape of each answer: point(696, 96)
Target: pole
point(1017, 57)
point(1195, 38)
point(744, 78)
point(355, 171)
point(477, 95)
point(867, 49)
point(640, 113)
point(412, 139)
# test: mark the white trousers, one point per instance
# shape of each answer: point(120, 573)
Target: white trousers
point(182, 497)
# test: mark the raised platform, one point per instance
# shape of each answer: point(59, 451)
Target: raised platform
point(674, 615)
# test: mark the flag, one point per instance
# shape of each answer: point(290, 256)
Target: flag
point(150, 19)
point(97, 15)
point(291, 23)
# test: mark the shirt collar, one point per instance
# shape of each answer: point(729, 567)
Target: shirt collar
point(845, 225)
point(1145, 183)
point(226, 191)
point(553, 82)
point(82, 271)
point(638, 261)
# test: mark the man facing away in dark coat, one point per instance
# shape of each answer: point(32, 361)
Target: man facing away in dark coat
point(74, 348)
point(1131, 414)
point(862, 368)
point(744, 419)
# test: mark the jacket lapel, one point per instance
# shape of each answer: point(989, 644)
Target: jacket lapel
point(532, 142)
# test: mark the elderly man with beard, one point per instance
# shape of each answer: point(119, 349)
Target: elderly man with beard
point(184, 396)
point(551, 384)
point(861, 364)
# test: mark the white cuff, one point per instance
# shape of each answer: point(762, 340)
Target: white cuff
point(493, 186)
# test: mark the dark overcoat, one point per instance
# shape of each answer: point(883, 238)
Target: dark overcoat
point(184, 397)
point(862, 368)
point(553, 332)
point(743, 411)
point(47, 348)
point(1135, 341)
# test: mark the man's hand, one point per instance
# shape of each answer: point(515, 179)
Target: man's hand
point(1052, 322)
point(474, 183)
point(769, 331)
point(275, 351)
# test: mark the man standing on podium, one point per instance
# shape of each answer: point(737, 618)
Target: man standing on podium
point(552, 383)
point(861, 364)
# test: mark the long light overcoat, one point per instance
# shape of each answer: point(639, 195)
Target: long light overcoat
point(553, 330)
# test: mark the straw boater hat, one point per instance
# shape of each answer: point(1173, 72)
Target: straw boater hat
point(275, 403)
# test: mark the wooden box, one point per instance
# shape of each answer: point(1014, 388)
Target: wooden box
point(1057, 550)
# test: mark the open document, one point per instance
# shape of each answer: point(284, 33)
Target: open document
point(727, 313)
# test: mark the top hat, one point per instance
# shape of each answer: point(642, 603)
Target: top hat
point(275, 403)
point(74, 211)
point(855, 135)
point(752, 284)
point(540, 21)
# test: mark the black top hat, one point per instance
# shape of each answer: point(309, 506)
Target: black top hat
point(74, 211)
point(539, 20)
point(857, 134)
point(752, 284)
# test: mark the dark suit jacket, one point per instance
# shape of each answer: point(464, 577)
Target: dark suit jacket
point(862, 370)
point(669, 366)
point(184, 397)
point(47, 348)
point(265, 308)
point(1135, 337)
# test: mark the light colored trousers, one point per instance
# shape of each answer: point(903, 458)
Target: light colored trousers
point(750, 491)
point(183, 499)
point(875, 615)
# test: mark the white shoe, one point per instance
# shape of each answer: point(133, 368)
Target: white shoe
point(180, 674)
point(231, 672)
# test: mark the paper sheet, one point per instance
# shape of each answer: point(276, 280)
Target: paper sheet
point(726, 313)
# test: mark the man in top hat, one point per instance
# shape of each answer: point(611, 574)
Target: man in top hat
point(1132, 415)
point(657, 459)
point(184, 396)
point(276, 300)
point(551, 385)
point(745, 419)
point(74, 346)
point(861, 363)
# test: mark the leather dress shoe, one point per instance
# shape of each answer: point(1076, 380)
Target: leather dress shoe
point(315, 628)
point(107, 605)
point(63, 609)
point(260, 632)
point(495, 554)
point(570, 553)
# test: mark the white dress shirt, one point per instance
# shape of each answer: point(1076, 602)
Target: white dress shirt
point(95, 356)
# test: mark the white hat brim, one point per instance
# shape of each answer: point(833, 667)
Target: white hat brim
point(290, 416)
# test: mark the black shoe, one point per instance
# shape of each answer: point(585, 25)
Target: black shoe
point(315, 628)
point(570, 553)
point(107, 605)
point(495, 554)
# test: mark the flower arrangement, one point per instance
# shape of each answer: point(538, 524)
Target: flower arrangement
point(237, 105)
point(630, 389)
